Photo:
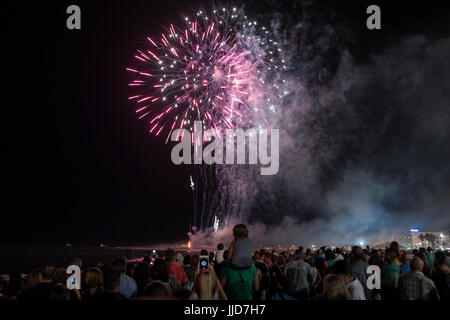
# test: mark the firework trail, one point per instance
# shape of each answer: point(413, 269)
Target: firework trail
point(219, 68)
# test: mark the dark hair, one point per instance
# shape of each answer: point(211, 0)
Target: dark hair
point(422, 256)
point(300, 249)
point(170, 255)
point(204, 252)
point(120, 264)
point(187, 259)
point(111, 277)
point(240, 231)
point(440, 257)
point(156, 290)
point(220, 246)
point(341, 267)
point(142, 272)
point(394, 246)
point(159, 271)
point(329, 254)
point(357, 253)
point(60, 276)
point(48, 270)
point(429, 249)
point(375, 260)
point(194, 260)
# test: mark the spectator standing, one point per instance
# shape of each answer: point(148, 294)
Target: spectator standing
point(441, 275)
point(219, 253)
point(175, 269)
point(299, 277)
point(359, 269)
point(389, 276)
point(355, 288)
point(415, 286)
point(43, 290)
point(112, 284)
point(430, 257)
point(128, 286)
point(93, 284)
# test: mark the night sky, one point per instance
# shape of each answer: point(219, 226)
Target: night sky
point(78, 166)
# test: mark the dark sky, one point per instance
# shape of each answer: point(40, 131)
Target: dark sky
point(77, 164)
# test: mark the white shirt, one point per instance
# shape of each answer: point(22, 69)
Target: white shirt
point(219, 256)
point(356, 290)
point(339, 257)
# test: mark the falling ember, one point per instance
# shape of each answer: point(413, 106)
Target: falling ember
point(201, 71)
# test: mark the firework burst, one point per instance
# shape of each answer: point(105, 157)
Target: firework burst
point(204, 71)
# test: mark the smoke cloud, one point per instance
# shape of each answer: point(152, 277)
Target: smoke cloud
point(363, 145)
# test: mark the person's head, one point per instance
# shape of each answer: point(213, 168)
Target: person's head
point(375, 260)
point(329, 254)
point(300, 249)
point(343, 270)
point(220, 246)
point(311, 261)
point(334, 288)
point(422, 256)
point(179, 259)
point(120, 264)
point(429, 249)
point(35, 277)
point(170, 255)
point(357, 253)
point(204, 252)
point(156, 289)
point(47, 271)
point(394, 246)
point(187, 260)
point(211, 256)
point(111, 278)
point(205, 286)
point(416, 264)
point(194, 260)
point(30, 280)
point(60, 276)
point(406, 257)
point(240, 231)
point(93, 278)
point(308, 252)
point(159, 270)
point(142, 272)
point(440, 257)
point(390, 256)
point(77, 262)
point(256, 255)
point(337, 250)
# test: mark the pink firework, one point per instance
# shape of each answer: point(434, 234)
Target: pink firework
point(199, 72)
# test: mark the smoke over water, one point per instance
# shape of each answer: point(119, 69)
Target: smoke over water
point(364, 146)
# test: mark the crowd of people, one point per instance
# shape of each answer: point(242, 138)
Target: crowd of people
point(240, 272)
